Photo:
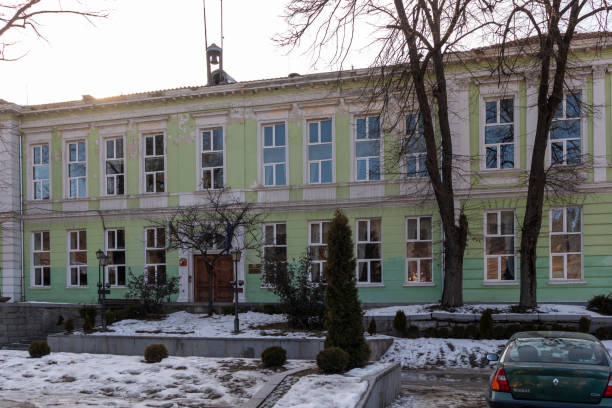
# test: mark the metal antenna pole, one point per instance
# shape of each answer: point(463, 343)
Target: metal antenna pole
point(221, 24)
point(205, 34)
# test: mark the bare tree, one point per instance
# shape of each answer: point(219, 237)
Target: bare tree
point(543, 31)
point(417, 40)
point(20, 15)
point(221, 224)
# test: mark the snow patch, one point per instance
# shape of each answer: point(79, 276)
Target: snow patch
point(543, 308)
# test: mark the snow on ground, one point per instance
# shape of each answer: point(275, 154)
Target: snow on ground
point(479, 308)
point(202, 325)
point(329, 391)
point(80, 380)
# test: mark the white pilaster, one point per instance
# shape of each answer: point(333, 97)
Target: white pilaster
point(599, 123)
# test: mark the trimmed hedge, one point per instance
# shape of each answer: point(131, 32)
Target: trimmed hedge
point(39, 348)
point(155, 353)
point(274, 357)
point(333, 360)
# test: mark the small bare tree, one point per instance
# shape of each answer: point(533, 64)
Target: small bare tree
point(221, 224)
point(20, 15)
point(537, 36)
point(416, 43)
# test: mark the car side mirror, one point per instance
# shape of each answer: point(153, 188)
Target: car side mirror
point(492, 357)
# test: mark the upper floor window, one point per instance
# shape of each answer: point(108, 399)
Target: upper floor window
point(212, 158)
point(317, 246)
point(40, 172)
point(154, 164)
point(369, 260)
point(114, 167)
point(275, 155)
point(566, 243)
point(419, 250)
point(155, 254)
point(414, 147)
point(320, 162)
point(77, 170)
point(77, 255)
point(499, 133)
point(41, 259)
point(368, 149)
point(115, 249)
point(499, 245)
point(565, 134)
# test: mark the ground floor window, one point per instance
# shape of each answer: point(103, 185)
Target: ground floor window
point(566, 243)
point(115, 249)
point(418, 250)
point(317, 247)
point(499, 245)
point(77, 257)
point(155, 254)
point(41, 259)
point(369, 260)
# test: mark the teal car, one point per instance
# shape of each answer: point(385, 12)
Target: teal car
point(551, 369)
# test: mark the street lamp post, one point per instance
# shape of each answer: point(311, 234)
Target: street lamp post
point(103, 287)
point(235, 283)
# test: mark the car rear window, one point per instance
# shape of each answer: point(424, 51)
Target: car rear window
point(556, 350)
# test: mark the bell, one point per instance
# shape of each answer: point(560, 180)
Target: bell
point(214, 59)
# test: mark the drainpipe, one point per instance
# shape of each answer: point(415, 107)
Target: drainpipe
point(21, 215)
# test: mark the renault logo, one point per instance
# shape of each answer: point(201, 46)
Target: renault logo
point(556, 382)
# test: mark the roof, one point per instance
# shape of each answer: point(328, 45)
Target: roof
point(553, 334)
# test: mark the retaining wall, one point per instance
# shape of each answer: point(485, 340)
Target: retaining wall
point(300, 349)
point(383, 388)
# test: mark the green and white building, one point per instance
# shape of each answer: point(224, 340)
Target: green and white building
point(84, 175)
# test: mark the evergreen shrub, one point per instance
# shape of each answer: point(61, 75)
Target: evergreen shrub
point(457, 332)
point(60, 320)
point(274, 357)
point(39, 348)
point(412, 332)
point(372, 327)
point(88, 311)
point(486, 324)
point(584, 325)
point(333, 360)
point(88, 324)
point(601, 304)
point(69, 326)
point(155, 353)
point(399, 322)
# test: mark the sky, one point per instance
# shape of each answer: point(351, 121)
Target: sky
point(147, 45)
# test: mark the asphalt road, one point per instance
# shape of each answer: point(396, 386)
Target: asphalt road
point(443, 388)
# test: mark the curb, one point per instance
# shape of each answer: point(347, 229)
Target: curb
point(268, 388)
point(388, 381)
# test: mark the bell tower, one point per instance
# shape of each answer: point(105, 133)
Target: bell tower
point(214, 56)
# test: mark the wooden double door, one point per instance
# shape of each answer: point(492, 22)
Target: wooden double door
point(224, 273)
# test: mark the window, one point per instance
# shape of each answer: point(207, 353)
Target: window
point(565, 135)
point(41, 259)
point(115, 172)
point(414, 147)
point(40, 172)
point(212, 158)
point(275, 244)
point(367, 148)
point(77, 256)
point(320, 160)
point(115, 249)
point(499, 133)
point(275, 155)
point(369, 262)
point(77, 170)
point(418, 250)
point(499, 246)
point(154, 164)
point(566, 243)
point(155, 254)
point(317, 246)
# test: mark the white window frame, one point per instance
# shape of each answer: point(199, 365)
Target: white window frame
point(581, 118)
point(369, 261)
point(321, 263)
point(497, 99)
point(418, 282)
point(67, 177)
point(273, 245)
point(307, 145)
point(35, 165)
point(70, 266)
point(565, 254)
point(112, 268)
point(144, 160)
point(105, 159)
point(201, 150)
point(157, 231)
point(499, 256)
point(35, 268)
point(263, 166)
point(381, 148)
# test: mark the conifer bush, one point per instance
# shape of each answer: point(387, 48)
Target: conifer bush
point(399, 322)
point(584, 324)
point(88, 324)
point(372, 327)
point(601, 304)
point(39, 349)
point(69, 325)
point(274, 357)
point(343, 314)
point(155, 353)
point(333, 360)
point(486, 324)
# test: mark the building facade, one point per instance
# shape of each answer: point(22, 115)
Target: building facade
point(92, 174)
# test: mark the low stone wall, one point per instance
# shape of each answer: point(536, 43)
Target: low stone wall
point(19, 321)
point(435, 320)
point(383, 388)
point(300, 349)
